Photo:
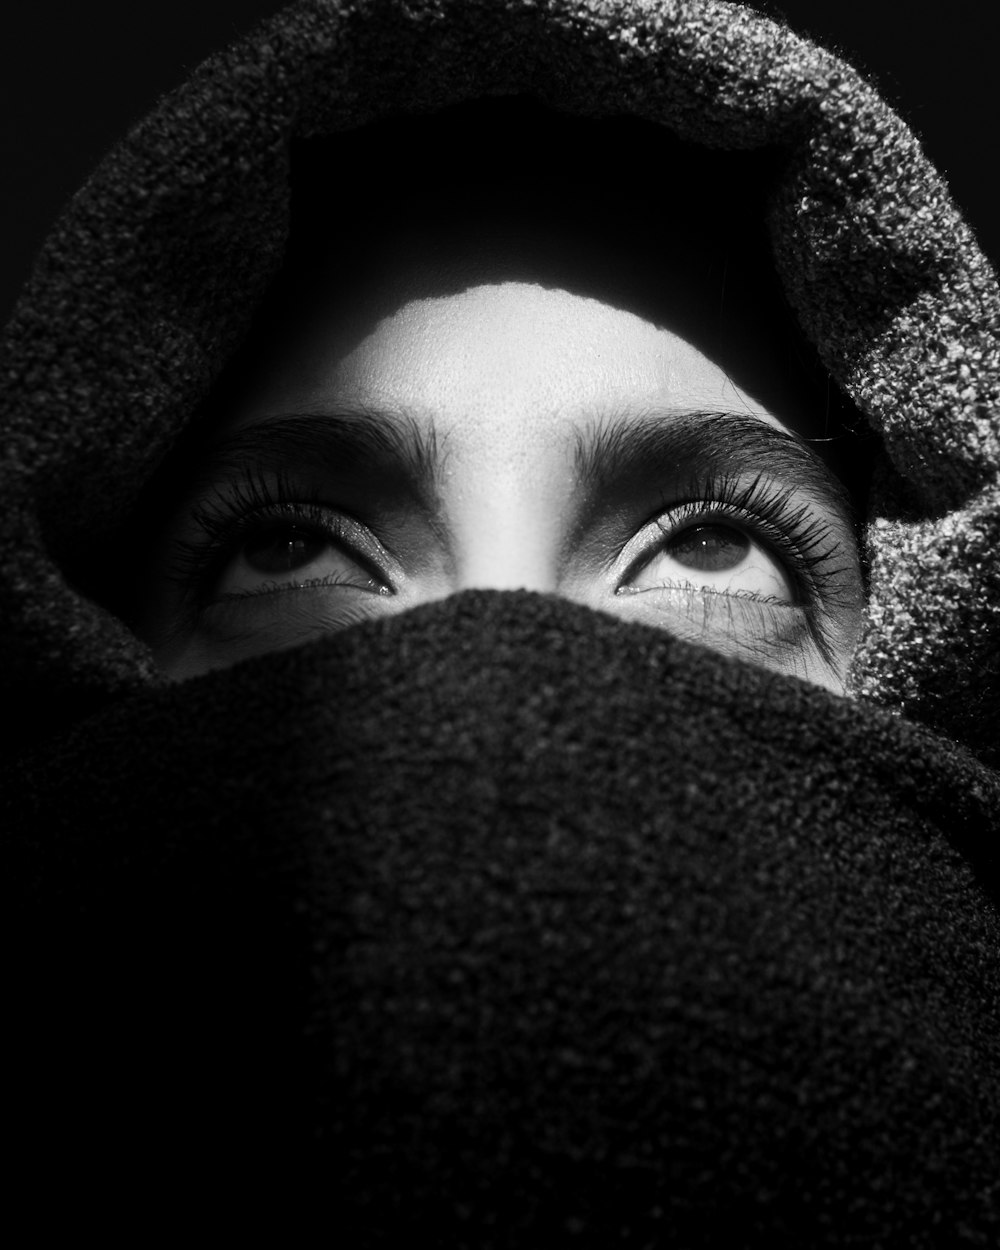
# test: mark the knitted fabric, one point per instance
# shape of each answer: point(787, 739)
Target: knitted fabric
point(515, 925)
point(149, 280)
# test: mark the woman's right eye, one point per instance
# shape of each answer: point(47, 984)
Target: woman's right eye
point(279, 554)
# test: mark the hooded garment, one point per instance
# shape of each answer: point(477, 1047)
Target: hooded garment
point(513, 924)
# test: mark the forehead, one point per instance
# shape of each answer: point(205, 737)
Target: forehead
point(568, 267)
point(502, 271)
point(498, 367)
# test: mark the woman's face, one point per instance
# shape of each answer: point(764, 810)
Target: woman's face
point(504, 408)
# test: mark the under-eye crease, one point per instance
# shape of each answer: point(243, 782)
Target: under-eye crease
point(246, 566)
point(771, 514)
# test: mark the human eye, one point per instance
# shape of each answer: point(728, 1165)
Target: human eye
point(261, 563)
point(712, 553)
point(753, 568)
point(294, 547)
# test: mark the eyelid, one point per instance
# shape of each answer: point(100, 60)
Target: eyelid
point(653, 538)
point(792, 529)
point(227, 513)
point(353, 541)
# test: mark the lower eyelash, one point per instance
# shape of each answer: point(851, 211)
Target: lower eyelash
point(232, 622)
point(223, 517)
point(310, 583)
point(743, 608)
point(769, 511)
point(774, 634)
point(755, 621)
point(766, 510)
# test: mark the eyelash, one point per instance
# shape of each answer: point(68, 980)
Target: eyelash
point(229, 515)
point(804, 543)
point(766, 510)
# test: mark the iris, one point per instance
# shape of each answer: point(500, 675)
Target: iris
point(710, 548)
point(283, 549)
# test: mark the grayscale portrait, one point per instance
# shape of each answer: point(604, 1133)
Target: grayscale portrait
point(501, 643)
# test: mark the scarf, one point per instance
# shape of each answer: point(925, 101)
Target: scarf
point(526, 926)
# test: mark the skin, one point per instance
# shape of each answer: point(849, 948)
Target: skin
point(507, 346)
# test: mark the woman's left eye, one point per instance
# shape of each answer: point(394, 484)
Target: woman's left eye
point(711, 554)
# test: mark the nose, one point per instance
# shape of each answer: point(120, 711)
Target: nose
point(507, 536)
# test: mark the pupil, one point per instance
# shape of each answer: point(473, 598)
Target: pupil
point(709, 548)
point(281, 551)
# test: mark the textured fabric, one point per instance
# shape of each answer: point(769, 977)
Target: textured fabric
point(661, 951)
point(151, 276)
point(528, 926)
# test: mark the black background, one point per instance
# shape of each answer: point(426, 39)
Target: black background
point(73, 77)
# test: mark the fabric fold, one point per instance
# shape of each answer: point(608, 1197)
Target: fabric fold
point(533, 972)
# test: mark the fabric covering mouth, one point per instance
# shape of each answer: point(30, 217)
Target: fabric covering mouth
point(531, 928)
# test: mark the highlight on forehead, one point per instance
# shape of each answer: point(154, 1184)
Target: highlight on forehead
point(415, 208)
point(616, 210)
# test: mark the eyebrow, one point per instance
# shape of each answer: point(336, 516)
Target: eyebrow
point(368, 440)
point(614, 453)
point(617, 451)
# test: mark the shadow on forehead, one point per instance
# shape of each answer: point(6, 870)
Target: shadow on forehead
point(616, 210)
